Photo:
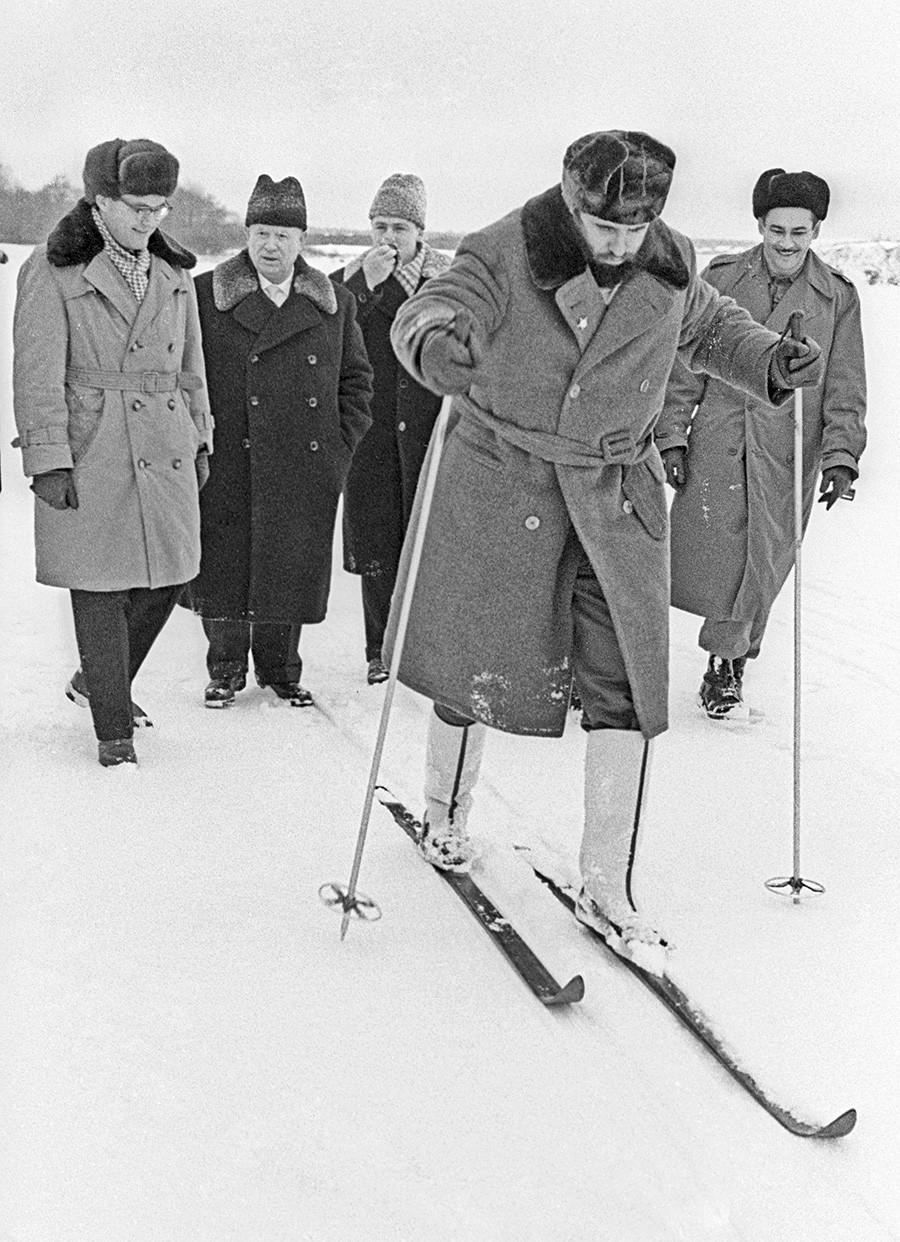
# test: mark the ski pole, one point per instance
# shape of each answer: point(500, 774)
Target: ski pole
point(348, 900)
point(794, 883)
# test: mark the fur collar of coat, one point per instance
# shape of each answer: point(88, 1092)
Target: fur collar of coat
point(433, 264)
point(76, 239)
point(236, 279)
point(555, 257)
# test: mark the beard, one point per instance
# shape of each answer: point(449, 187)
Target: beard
point(609, 274)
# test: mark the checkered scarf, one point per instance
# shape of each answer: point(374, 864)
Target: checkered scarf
point(411, 273)
point(133, 265)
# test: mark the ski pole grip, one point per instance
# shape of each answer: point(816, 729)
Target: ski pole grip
point(795, 325)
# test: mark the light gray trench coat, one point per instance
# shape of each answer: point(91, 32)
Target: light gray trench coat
point(553, 440)
point(733, 521)
point(78, 327)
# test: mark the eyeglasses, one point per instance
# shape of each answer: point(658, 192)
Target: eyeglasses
point(146, 213)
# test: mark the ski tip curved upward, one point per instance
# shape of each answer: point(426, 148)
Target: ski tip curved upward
point(840, 1126)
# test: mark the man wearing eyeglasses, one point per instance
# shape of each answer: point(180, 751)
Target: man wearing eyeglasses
point(113, 419)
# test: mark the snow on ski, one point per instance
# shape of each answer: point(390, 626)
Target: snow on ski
point(523, 959)
point(679, 1003)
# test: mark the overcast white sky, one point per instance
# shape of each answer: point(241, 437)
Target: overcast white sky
point(479, 98)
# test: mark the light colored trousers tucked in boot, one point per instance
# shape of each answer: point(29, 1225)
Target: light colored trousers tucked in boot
point(615, 786)
point(452, 763)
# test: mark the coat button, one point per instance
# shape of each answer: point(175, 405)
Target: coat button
point(314, 446)
point(732, 452)
point(171, 403)
point(627, 507)
point(254, 400)
point(171, 347)
point(142, 465)
point(313, 402)
point(401, 426)
point(133, 347)
point(575, 391)
point(137, 405)
point(645, 384)
point(245, 443)
point(254, 357)
point(312, 360)
point(176, 463)
point(403, 384)
point(532, 523)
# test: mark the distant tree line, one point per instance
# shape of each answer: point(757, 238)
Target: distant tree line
point(198, 220)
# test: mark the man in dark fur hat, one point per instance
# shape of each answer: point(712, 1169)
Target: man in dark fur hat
point(380, 487)
point(731, 463)
point(113, 419)
point(290, 387)
point(547, 549)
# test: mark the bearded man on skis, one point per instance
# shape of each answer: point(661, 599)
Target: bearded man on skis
point(732, 464)
point(546, 552)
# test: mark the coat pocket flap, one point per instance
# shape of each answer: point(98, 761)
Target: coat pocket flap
point(648, 496)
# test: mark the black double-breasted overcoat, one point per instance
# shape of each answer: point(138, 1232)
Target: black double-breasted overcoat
point(290, 388)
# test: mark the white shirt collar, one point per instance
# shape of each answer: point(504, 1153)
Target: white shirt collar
point(283, 285)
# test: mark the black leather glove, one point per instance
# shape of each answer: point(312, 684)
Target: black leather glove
point(56, 488)
point(675, 465)
point(836, 480)
point(201, 465)
point(450, 353)
point(796, 364)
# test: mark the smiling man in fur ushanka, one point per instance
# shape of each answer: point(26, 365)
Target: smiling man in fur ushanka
point(547, 547)
point(732, 465)
point(290, 387)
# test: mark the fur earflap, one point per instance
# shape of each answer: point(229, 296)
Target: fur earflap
point(236, 279)
point(555, 256)
point(76, 239)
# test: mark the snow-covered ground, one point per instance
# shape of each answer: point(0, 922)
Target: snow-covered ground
point(188, 1053)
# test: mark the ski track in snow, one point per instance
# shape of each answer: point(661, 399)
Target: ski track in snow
point(190, 1054)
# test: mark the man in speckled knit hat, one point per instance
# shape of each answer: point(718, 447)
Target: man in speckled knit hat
point(731, 464)
point(113, 418)
point(381, 485)
point(546, 553)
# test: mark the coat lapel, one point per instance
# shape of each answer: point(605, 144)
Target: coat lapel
point(636, 306)
point(102, 274)
point(297, 314)
point(159, 290)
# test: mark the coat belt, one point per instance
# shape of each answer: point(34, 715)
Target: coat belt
point(135, 381)
point(616, 448)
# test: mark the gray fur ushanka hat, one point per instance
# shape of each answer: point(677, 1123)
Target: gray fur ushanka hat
point(137, 166)
point(618, 175)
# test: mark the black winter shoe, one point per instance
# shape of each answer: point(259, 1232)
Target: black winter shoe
point(720, 690)
point(221, 690)
point(119, 750)
point(77, 692)
point(377, 672)
point(291, 691)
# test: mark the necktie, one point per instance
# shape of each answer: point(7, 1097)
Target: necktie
point(277, 295)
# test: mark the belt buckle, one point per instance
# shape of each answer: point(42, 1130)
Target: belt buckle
point(617, 446)
point(150, 381)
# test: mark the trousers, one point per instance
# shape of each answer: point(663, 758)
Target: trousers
point(275, 649)
point(114, 631)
